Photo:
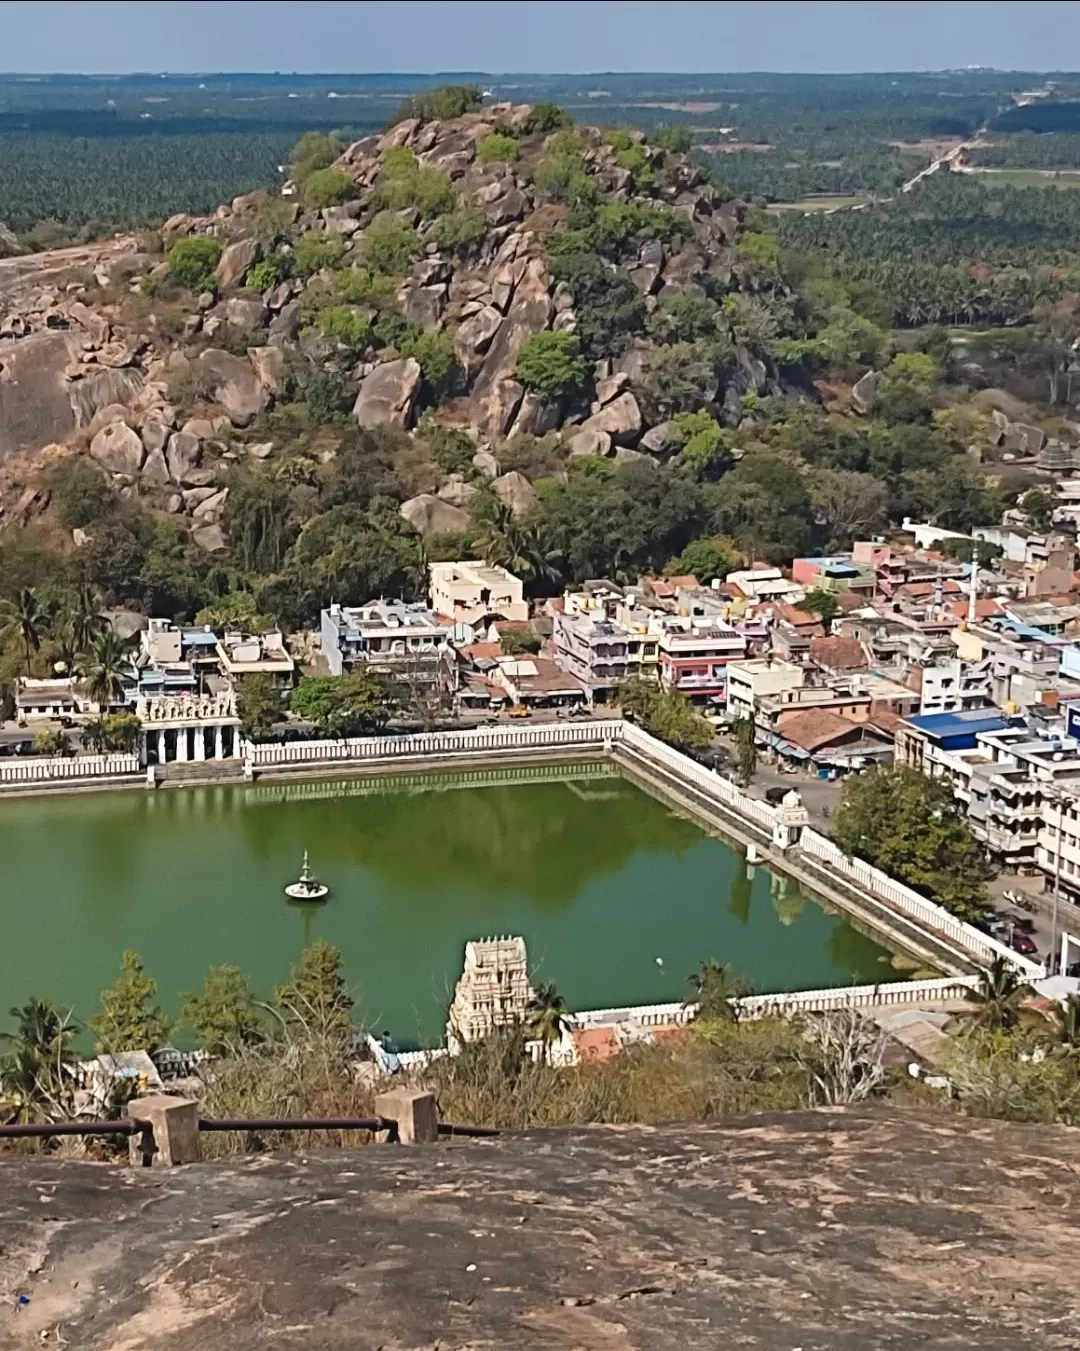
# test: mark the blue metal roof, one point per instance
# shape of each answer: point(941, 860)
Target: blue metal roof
point(968, 722)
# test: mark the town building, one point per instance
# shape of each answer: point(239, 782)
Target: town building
point(537, 682)
point(748, 682)
point(38, 700)
point(390, 637)
point(694, 656)
point(189, 727)
point(241, 655)
point(602, 636)
point(474, 593)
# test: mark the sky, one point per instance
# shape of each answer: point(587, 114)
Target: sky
point(529, 36)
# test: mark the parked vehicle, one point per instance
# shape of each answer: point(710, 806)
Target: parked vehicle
point(776, 794)
point(1023, 943)
point(520, 711)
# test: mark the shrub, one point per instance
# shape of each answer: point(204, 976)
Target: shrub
point(497, 148)
point(458, 231)
point(435, 353)
point(677, 139)
point(314, 151)
point(327, 187)
point(547, 117)
point(451, 100)
point(361, 286)
point(452, 450)
point(406, 183)
point(390, 246)
point(192, 263)
point(551, 365)
point(347, 325)
point(313, 252)
point(266, 275)
point(81, 493)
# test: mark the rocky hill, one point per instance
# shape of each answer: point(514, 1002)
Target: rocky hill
point(445, 249)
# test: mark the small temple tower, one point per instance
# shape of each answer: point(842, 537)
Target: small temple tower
point(789, 820)
point(493, 991)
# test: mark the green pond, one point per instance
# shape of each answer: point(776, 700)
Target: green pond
point(617, 897)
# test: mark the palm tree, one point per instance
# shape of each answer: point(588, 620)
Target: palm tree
point(546, 1018)
point(715, 988)
point(1067, 1030)
point(36, 1071)
point(25, 618)
point(85, 621)
point(105, 668)
point(998, 997)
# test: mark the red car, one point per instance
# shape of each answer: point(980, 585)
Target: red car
point(1024, 943)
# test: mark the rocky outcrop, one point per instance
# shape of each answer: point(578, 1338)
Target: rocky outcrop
point(183, 457)
point(118, 449)
point(235, 261)
point(620, 419)
point(232, 383)
point(35, 406)
point(430, 516)
point(864, 391)
point(516, 492)
point(587, 442)
point(387, 394)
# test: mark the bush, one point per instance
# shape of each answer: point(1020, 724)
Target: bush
point(313, 252)
point(390, 246)
point(551, 365)
point(407, 183)
point(452, 450)
point(497, 148)
point(346, 325)
point(361, 286)
point(327, 187)
point(547, 117)
point(460, 230)
point(435, 353)
point(192, 263)
point(451, 100)
point(314, 151)
point(80, 493)
point(677, 139)
point(266, 275)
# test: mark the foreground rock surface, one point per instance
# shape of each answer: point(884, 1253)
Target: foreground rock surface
point(817, 1230)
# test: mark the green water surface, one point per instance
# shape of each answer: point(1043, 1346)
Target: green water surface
point(618, 899)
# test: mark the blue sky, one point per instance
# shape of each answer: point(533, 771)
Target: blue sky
point(527, 36)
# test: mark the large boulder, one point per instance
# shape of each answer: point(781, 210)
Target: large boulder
point(183, 457)
point(535, 417)
point(286, 325)
point(155, 472)
point(107, 386)
point(118, 449)
point(211, 538)
point(529, 314)
point(235, 260)
point(621, 419)
point(474, 336)
point(457, 492)
point(211, 509)
point(588, 442)
point(499, 406)
point(387, 394)
point(232, 382)
point(663, 439)
point(269, 363)
point(864, 391)
point(430, 516)
point(35, 408)
point(423, 305)
point(516, 492)
point(245, 313)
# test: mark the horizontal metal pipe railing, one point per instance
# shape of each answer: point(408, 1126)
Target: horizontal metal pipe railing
point(295, 1123)
point(129, 1126)
point(122, 1126)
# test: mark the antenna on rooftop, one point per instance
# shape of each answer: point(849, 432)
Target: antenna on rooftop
point(973, 589)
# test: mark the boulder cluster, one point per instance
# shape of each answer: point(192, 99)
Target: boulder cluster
point(152, 392)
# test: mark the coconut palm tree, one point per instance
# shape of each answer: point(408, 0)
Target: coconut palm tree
point(104, 669)
point(85, 620)
point(35, 1074)
point(546, 1018)
point(715, 988)
point(998, 998)
point(25, 618)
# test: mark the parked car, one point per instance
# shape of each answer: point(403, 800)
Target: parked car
point(519, 711)
point(776, 794)
point(1024, 944)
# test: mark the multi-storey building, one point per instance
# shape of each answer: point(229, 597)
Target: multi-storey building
point(389, 637)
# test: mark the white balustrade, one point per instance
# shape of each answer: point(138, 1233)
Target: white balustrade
point(44, 769)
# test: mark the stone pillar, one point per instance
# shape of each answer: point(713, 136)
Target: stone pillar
point(181, 743)
point(162, 747)
point(175, 1126)
point(200, 743)
point(219, 742)
point(414, 1112)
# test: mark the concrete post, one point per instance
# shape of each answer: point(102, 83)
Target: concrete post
point(181, 743)
point(219, 742)
point(414, 1112)
point(200, 743)
point(175, 1126)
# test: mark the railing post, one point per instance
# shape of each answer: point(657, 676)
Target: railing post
point(173, 1131)
point(414, 1112)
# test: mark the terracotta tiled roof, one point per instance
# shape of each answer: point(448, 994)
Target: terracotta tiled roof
point(838, 654)
point(596, 1043)
point(985, 608)
point(814, 728)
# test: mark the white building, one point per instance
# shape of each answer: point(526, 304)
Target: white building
point(387, 636)
point(750, 681)
point(472, 593)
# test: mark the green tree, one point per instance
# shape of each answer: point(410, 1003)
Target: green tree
point(551, 365)
point(327, 187)
point(822, 603)
point(452, 450)
point(49, 742)
point(390, 246)
point(667, 715)
point(1066, 1034)
point(913, 828)
point(1038, 506)
point(714, 988)
point(260, 706)
point(116, 732)
point(315, 150)
point(343, 706)
point(449, 100)
point(495, 147)
point(24, 618)
point(706, 559)
point(85, 618)
point(37, 1069)
point(745, 733)
point(129, 1020)
point(546, 1018)
point(316, 998)
point(313, 252)
point(998, 998)
point(460, 230)
point(80, 492)
point(226, 1016)
point(192, 263)
point(106, 669)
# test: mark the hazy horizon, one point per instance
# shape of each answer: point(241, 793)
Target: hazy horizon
point(600, 37)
